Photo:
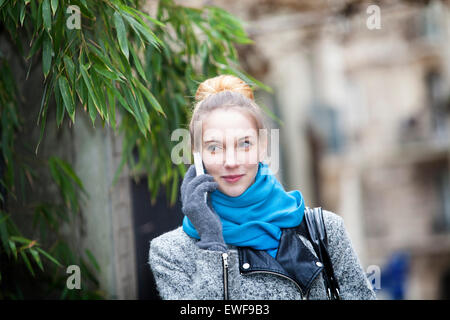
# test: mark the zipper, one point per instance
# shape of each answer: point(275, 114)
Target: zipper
point(303, 295)
point(225, 275)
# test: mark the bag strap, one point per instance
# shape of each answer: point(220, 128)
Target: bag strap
point(318, 236)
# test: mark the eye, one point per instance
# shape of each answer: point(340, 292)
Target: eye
point(212, 148)
point(246, 143)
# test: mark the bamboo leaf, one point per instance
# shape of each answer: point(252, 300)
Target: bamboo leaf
point(46, 15)
point(99, 92)
point(106, 73)
point(67, 96)
point(91, 109)
point(54, 171)
point(136, 112)
point(121, 33)
point(36, 44)
point(119, 97)
point(54, 6)
point(60, 110)
point(36, 258)
point(12, 245)
point(70, 67)
point(138, 64)
point(20, 239)
point(92, 259)
point(87, 82)
point(49, 257)
point(100, 56)
point(46, 54)
point(43, 122)
point(112, 107)
point(143, 109)
point(22, 12)
point(69, 171)
point(27, 262)
point(151, 98)
point(136, 14)
point(145, 31)
point(81, 91)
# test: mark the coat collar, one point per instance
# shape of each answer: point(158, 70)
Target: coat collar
point(294, 259)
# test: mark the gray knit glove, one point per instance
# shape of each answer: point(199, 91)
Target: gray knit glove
point(202, 216)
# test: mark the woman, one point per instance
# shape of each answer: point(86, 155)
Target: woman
point(248, 240)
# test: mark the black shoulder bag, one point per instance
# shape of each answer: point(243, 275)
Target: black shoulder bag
point(319, 240)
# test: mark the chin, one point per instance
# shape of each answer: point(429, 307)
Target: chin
point(233, 192)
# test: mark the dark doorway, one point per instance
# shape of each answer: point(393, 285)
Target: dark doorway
point(445, 285)
point(150, 222)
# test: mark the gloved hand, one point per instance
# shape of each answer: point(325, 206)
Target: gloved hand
point(202, 216)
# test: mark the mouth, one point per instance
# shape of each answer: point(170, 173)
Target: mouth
point(233, 178)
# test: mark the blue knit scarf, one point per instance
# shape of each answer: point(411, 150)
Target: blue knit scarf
point(255, 218)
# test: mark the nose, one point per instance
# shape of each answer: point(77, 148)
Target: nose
point(230, 158)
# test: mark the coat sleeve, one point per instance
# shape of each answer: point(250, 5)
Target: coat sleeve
point(171, 270)
point(353, 282)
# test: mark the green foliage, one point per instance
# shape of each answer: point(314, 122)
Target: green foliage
point(126, 69)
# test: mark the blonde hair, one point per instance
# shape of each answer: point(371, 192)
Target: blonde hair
point(225, 91)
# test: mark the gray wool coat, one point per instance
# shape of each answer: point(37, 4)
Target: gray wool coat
point(184, 271)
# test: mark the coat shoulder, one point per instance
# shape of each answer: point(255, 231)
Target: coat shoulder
point(331, 219)
point(335, 227)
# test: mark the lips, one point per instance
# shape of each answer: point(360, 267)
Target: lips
point(233, 178)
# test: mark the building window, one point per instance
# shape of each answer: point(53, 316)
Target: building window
point(442, 221)
point(325, 122)
point(436, 95)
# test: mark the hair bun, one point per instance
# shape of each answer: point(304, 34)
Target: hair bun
point(223, 83)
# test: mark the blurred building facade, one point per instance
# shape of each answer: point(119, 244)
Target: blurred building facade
point(366, 129)
point(365, 134)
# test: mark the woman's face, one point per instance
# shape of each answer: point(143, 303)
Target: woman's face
point(230, 148)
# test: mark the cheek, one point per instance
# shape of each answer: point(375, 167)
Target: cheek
point(249, 157)
point(211, 168)
point(252, 173)
point(212, 159)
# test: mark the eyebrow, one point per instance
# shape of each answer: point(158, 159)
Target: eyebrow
point(246, 137)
